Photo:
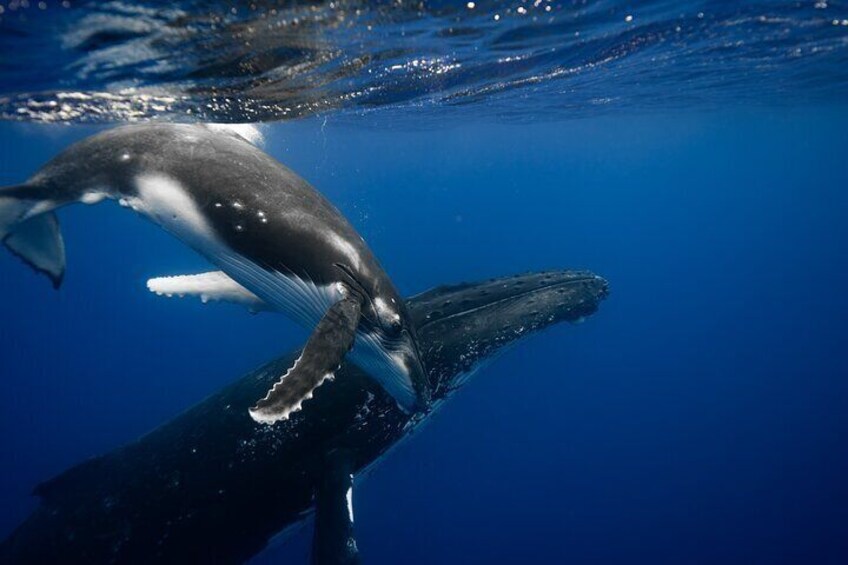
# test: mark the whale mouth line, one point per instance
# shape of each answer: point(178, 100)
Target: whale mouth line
point(545, 286)
point(353, 281)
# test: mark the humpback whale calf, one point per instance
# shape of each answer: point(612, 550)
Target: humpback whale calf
point(198, 489)
point(278, 243)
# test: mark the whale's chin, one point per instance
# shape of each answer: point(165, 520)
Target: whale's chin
point(392, 366)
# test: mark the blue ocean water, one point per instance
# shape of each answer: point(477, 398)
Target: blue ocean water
point(698, 417)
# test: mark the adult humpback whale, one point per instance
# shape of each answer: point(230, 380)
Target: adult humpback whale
point(210, 487)
point(279, 244)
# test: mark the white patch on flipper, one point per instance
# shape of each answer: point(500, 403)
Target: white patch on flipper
point(248, 132)
point(215, 286)
point(349, 498)
point(263, 417)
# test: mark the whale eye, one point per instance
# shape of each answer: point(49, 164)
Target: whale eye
point(388, 317)
point(395, 326)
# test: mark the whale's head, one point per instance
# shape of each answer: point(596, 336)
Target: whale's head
point(462, 327)
point(387, 343)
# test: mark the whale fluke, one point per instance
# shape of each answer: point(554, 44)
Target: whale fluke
point(38, 242)
point(321, 357)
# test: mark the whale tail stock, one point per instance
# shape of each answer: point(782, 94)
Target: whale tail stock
point(31, 235)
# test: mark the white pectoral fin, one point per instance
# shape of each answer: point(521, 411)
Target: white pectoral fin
point(38, 242)
point(214, 285)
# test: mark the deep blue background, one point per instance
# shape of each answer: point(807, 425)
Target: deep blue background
point(700, 417)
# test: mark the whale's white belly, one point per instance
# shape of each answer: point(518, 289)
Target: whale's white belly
point(166, 202)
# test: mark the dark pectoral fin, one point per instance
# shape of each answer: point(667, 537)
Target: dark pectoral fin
point(333, 542)
point(332, 339)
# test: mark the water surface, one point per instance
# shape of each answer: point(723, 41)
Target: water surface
point(692, 153)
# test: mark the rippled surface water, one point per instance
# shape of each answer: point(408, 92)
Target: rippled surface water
point(691, 152)
point(77, 61)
